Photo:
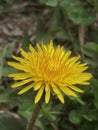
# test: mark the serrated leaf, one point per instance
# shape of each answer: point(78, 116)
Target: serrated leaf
point(76, 12)
point(90, 115)
point(75, 117)
point(52, 2)
point(91, 46)
point(26, 108)
point(42, 1)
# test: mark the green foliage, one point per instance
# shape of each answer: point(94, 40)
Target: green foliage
point(26, 42)
point(77, 13)
point(95, 85)
point(75, 117)
point(51, 2)
point(26, 109)
point(6, 52)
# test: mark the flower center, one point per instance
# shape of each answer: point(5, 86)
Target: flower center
point(52, 68)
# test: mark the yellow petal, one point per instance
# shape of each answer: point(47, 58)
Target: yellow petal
point(19, 76)
point(19, 59)
point(71, 61)
point(23, 53)
point(67, 91)
point(32, 50)
point(58, 93)
point(60, 98)
point(26, 89)
point(81, 78)
point(66, 56)
point(61, 55)
point(85, 83)
point(47, 95)
point(39, 94)
point(47, 87)
point(39, 49)
point(78, 69)
point(37, 85)
point(15, 85)
point(76, 89)
point(44, 48)
point(51, 48)
point(19, 66)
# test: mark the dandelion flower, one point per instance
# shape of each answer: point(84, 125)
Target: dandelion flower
point(49, 71)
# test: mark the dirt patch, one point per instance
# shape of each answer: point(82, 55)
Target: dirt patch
point(14, 25)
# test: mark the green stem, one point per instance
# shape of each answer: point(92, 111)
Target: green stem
point(34, 116)
point(95, 2)
point(82, 39)
point(2, 60)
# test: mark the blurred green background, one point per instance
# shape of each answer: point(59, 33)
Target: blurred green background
point(71, 23)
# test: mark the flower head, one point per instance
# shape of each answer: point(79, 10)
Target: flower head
point(49, 70)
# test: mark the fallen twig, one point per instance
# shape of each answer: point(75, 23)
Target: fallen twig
point(23, 5)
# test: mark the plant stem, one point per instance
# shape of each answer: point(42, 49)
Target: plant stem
point(34, 116)
point(82, 39)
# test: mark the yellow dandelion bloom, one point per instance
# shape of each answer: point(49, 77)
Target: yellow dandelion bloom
point(49, 70)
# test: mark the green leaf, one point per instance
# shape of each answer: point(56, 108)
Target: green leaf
point(91, 46)
point(75, 117)
point(86, 125)
point(76, 12)
point(52, 2)
point(42, 1)
point(7, 70)
point(80, 101)
point(56, 18)
point(95, 86)
point(4, 96)
point(93, 34)
point(47, 112)
point(9, 49)
point(26, 42)
point(39, 124)
point(61, 34)
point(40, 32)
point(90, 115)
point(6, 52)
point(26, 108)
